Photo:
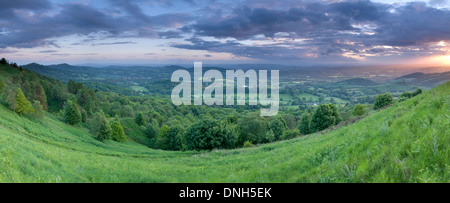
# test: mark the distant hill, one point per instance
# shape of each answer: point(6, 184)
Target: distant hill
point(422, 79)
point(359, 82)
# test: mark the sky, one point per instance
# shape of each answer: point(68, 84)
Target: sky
point(294, 32)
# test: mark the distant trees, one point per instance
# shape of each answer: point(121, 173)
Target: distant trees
point(359, 110)
point(140, 119)
point(326, 115)
point(72, 114)
point(382, 101)
point(23, 105)
point(117, 131)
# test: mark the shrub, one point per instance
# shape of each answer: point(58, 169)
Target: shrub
point(247, 144)
point(289, 134)
point(359, 110)
point(382, 101)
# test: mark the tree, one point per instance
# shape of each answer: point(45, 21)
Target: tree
point(209, 134)
point(2, 85)
point(72, 114)
point(140, 119)
point(359, 110)
point(382, 101)
point(176, 138)
point(39, 112)
point(3, 61)
point(253, 128)
point(417, 92)
point(278, 126)
point(40, 96)
point(117, 132)
point(23, 105)
point(162, 141)
point(100, 127)
point(9, 95)
point(326, 115)
point(304, 125)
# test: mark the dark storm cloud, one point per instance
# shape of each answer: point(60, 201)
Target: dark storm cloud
point(329, 28)
point(7, 7)
point(33, 31)
point(335, 28)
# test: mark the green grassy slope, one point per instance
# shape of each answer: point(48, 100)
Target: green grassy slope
point(407, 142)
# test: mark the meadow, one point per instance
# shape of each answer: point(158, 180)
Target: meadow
point(407, 142)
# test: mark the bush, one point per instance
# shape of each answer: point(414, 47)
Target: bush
point(382, 101)
point(289, 134)
point(359, 110)
point(247, 144)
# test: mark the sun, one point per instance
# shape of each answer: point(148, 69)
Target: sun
point(440, 60)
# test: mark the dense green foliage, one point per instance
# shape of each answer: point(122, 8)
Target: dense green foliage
point(210, 134)
point(326, 115)
point(382, 101)
point(140, 119)
point(304, 125)
point(407, 142)
point(359, 110)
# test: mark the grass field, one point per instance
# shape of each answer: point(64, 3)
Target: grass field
point(407, 142)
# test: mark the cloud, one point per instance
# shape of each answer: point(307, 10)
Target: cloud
point(338, 28)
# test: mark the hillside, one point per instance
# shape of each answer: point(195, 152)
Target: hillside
point(422, 79)
point(407, 142)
